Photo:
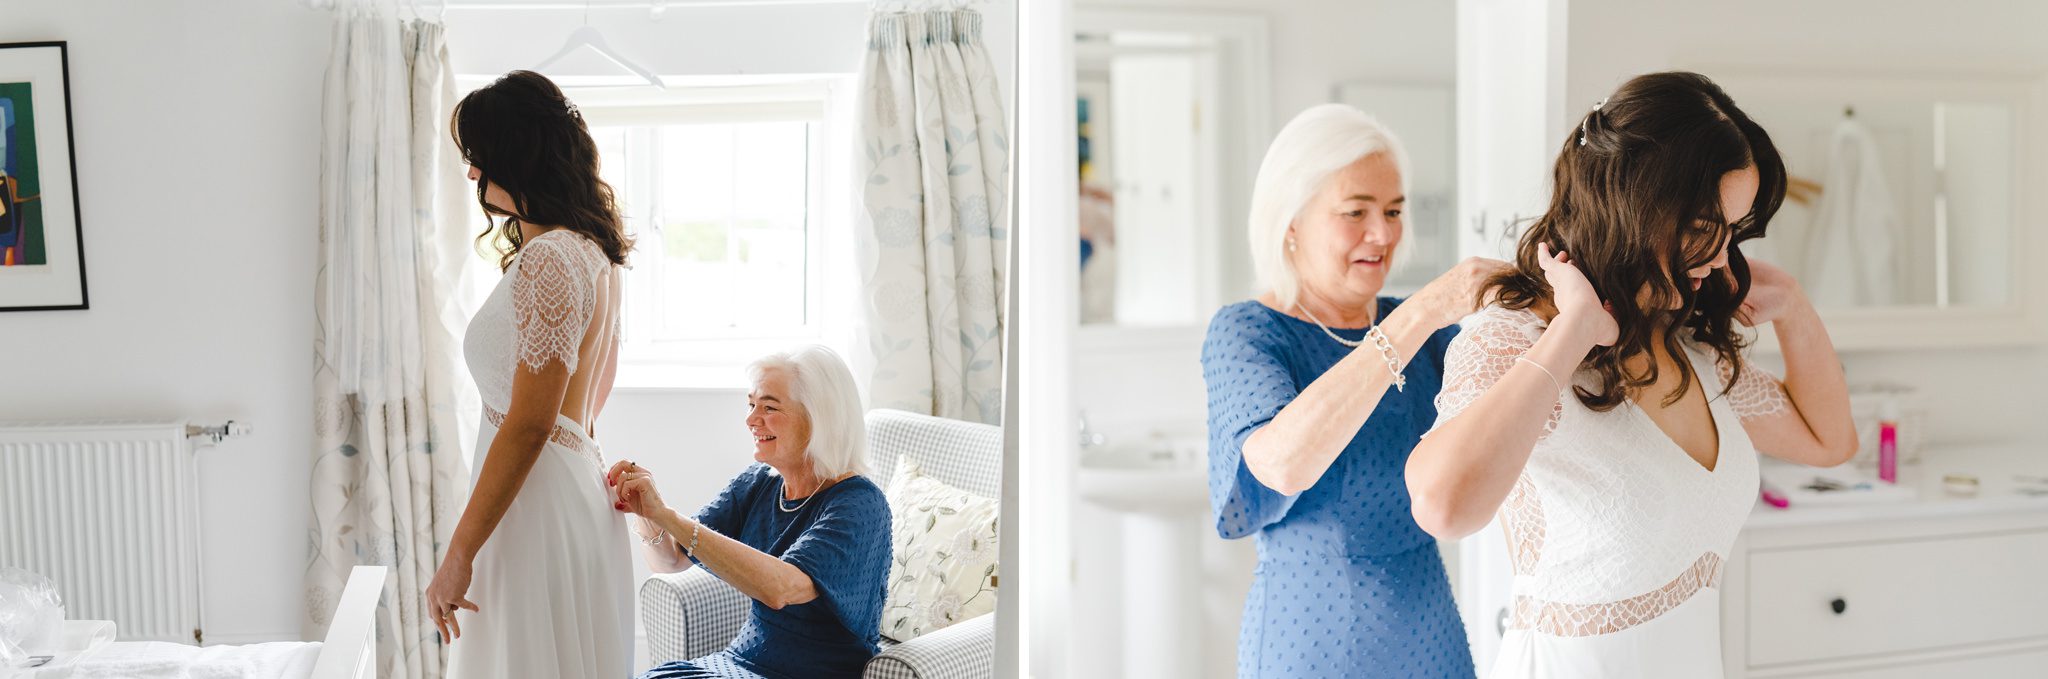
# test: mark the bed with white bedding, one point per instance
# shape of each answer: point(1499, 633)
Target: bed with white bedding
point(348, 652)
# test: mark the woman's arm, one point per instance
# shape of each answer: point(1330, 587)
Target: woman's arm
point(536, 398)
point(760, 576)
point(1814, 427)
point(664, 555)
point(1459, 474)
point(1291, 452)
point(769, 580)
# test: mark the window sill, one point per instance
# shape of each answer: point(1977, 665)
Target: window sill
point(651, 376)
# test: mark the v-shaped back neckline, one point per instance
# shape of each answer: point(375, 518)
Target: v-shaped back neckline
point(1713, 420)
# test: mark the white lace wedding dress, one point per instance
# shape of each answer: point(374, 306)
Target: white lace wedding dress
point(553, 582)
point(1615, 534)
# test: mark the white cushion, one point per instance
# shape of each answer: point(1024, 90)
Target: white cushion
point(944, 564)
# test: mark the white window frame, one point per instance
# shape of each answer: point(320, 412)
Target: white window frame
point(717, 362)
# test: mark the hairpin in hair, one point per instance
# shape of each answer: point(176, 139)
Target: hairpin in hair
point(574, 112)
point(1585, 123)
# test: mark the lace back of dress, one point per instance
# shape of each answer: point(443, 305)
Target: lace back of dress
point(561, 282)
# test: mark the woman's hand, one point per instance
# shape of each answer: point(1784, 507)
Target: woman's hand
point(1577, 304)
point(1455, 294)
point(636, 491)
point(1772, 293)
point(446, 593)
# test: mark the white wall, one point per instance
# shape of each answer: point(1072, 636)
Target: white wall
point(197, 127)
point(1128, 390)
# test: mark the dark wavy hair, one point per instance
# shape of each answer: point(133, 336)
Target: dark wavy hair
point(524, 135)
point(1638, 203)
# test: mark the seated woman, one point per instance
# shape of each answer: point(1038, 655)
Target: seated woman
point(804, 534)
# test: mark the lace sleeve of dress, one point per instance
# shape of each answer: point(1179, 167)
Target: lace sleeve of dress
point(1755, 393)
point(1482, 354)
point(552, 300)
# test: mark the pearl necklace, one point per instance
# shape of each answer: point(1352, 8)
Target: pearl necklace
point(1326, 329)
point(783, 504)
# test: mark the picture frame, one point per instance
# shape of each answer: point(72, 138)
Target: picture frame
point(42, 238)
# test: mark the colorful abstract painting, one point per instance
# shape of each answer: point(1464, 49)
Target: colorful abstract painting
point(21, 217)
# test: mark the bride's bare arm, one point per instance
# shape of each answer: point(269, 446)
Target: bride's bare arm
point(1806, 418)
point(536, 399)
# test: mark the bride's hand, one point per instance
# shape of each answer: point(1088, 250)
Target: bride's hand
point(1772, 293)
point(1575, 298)
point(447, 592)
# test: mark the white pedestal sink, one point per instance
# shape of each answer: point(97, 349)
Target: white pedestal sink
point(1163, 502)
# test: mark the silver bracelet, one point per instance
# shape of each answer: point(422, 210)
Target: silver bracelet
point(1393, 358)
point(652, 540)
point(1554, 384)
point(691, 551)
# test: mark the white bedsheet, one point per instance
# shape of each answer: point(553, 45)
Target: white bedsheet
point(160, 660)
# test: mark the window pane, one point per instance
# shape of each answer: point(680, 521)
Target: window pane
point(733, 209)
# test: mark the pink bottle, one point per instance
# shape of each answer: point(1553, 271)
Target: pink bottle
point(1888, 443)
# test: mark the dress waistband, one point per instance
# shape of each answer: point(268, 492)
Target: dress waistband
point(566, 434)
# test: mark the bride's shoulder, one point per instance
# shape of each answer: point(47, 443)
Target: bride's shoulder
point(559, 252)
point(1497, 318)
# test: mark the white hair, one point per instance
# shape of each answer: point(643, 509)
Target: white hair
point(1313, 146)
point(821, 382)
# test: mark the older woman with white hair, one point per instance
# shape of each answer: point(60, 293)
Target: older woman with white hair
point(1318, 390)
point(804, 533)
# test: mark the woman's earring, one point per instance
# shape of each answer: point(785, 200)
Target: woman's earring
point(1290, 245)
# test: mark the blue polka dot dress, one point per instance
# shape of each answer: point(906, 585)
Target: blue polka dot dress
point(1347, 585)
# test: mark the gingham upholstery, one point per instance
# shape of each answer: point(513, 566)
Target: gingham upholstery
point(964, 455)
point(965, 650)
point(692, 614)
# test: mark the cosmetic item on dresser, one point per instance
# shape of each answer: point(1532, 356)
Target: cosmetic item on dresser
point(1873, 404)
point(1960, 485)
point(1803, 486)
point(1888, 442)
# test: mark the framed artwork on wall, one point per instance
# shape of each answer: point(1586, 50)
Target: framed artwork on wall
point(42, 248)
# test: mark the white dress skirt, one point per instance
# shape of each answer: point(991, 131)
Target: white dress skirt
point(553, 584)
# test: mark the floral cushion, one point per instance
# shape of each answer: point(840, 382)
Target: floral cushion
point(945, 555)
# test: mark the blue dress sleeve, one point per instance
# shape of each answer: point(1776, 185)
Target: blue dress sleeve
point(1248, 384)
point(846, 554)
point(724, 514)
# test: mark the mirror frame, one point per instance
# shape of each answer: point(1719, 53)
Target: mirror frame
point(1251, 67)
point(2020, 321)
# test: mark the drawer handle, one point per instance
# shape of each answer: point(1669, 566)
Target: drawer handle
point(1838, 605)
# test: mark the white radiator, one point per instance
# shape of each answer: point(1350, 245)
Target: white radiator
point(108, 510)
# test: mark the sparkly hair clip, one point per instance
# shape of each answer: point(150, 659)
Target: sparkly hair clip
point(577, 113)
point(1585, 123)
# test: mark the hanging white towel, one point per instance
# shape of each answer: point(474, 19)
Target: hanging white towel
point(1852, 251)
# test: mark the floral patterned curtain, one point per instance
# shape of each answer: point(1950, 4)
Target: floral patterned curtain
point(934, 215)
point(391, 397)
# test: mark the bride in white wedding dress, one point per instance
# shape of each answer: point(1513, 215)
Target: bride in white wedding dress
point(1603, 405)
point(537, 578)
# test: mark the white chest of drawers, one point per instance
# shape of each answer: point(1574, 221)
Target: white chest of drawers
point(1941, 586)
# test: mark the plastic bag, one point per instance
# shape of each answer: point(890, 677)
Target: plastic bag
point(31, 615)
